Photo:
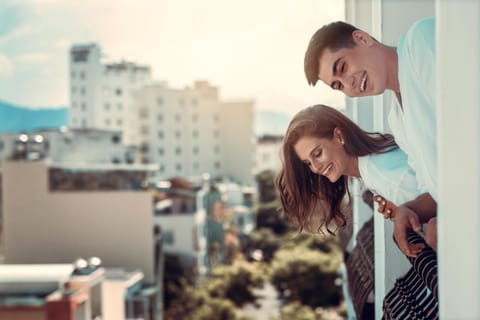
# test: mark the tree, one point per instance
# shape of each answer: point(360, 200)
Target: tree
point(308, 276)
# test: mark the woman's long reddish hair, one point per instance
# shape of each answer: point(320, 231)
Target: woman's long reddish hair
point(305, 195)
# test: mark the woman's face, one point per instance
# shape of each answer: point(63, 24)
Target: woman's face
point(327, 157)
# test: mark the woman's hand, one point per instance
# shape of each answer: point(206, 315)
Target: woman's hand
point(386, 208)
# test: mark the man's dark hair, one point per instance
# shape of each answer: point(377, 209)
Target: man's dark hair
point(333, 36)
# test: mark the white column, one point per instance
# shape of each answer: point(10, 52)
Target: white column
point(458, 100)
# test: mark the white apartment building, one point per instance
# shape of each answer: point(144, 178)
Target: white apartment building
point(187, 131)
point(101, 95)
point(190, 131)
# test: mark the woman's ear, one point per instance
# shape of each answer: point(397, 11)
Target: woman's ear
point(338, 135)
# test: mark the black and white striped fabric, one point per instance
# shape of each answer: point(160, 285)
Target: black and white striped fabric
point(415, 295)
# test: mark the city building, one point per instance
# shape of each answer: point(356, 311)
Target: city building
point(181, 217)
point(187, 131)
point(190, 131)
point(102, 94)
point(54, 213)
point(64, 145)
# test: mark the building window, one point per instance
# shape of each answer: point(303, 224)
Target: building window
point(217, 165)
point(161, 151)
point(195, 166)
point(143, 113)
point(74, 105)
point(217, 149)
point(84, 123)
point(195, 133)
point(144, 130)
point(178, 118)
point(74, 89)
point(119, 106)
point(107, 106)
point(160, 118)
point(216, 134)
point(162, 168)
point(178, 151)
point(178, 134)
point(168, 237)
point(179, 167)
point(215, 117)
point(159, 102)
point(84, 106)
point(83, 91)
point(194, 102)
point(160, 135)
point(72, 74)
point(116, 139)
point(195, 150)
point(107, 122)
point(181, 102)
point(144, 148)
point(118, 91)
point(119, 122)
point(82, 75)
point(195, 118)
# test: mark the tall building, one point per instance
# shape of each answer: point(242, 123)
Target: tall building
point(190, 131)
point(187, 132)
point(102, 95)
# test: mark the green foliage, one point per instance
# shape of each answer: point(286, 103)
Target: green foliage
point(196, 304)
point(266, 186)
point(298, 311)
point(324, 242)
point(176, 277)
point(235, 282)
point(268, 216)
point(308, 276)
point(265, 241)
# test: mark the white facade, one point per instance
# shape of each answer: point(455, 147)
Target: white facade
point(102, 95)
point(238, 141)
point(190, 131)
point(43, 226)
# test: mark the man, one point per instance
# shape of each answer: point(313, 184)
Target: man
point(348, 59)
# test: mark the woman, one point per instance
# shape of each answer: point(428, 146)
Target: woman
point(322, 148)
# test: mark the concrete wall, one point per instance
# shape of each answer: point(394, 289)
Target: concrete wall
point(58, 227)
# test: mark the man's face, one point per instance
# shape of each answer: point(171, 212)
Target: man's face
point(358, 71)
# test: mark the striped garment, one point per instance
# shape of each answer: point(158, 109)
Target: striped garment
point(415, 295)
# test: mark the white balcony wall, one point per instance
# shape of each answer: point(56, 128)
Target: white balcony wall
point(458, 97)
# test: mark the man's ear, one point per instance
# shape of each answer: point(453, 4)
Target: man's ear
point(338, 135)
point(362, 38)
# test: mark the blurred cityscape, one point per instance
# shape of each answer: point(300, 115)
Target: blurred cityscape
point(143, 201)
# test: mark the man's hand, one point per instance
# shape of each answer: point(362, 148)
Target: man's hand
point(431, 233)
point(406, 220)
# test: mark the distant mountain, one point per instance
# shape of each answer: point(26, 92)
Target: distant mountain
point(14, 118)
point(271, 122)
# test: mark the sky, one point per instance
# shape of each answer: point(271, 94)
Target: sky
point(250, 49)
